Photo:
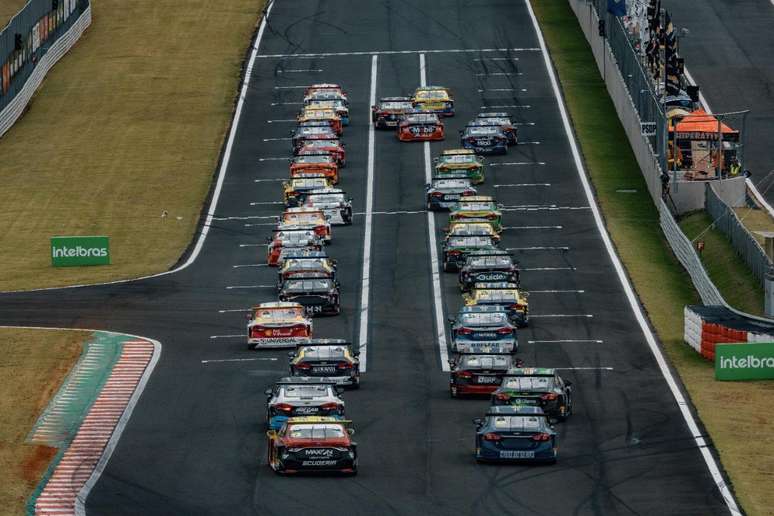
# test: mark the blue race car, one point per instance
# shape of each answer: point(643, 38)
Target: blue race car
point(487, 330)
point(515, 434)
point(484, 138)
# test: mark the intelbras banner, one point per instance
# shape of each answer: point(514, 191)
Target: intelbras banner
point(745, 361)
point(73, 251)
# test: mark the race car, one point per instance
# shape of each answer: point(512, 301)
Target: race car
point(505, 295)
point(515, 434)
point(309, 131)
point(486, 267)
point(433, 99)
point(503, 121)
point(316, 89)
point(312, 444)
point(290, 253)
point(303, 217)
point(472, 227)
point(337, 104)
point(319, 295)
point(314, 165)
point(485, 139)
point(477, 373)
point(478, 207)
point(454, 162)
point(389, 110)
point(488, 331)
point(332, 358)
point(326, 95)
point(273, 325)
point(295, 190)
point(456, 249)
point(298, 396)
point(333, 202)
point(312, 114)
point(444, 192)
point(536, 387)
point(319, 266)
point(420, 127)
point(291, 238)
point(333, 147)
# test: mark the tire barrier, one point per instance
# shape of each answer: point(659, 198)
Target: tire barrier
point(707, 326)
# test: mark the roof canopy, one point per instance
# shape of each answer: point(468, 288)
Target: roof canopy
point(699, 125)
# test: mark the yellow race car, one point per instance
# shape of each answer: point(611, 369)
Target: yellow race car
point(478, 207)
point(456, 162)
point(295, 190)
point(315, 114)
point(472, 227)
point(435, 99)
point(504, 295)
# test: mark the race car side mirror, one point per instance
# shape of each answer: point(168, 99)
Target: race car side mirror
point(461, 133)
point(478, 421)
point(339, 390)
point(267, 392)
point(271, 433)
point(291, 354)
point(351, 431)
point(268, 239)
point(435, 160)
point(452, 363)
point(249, 316)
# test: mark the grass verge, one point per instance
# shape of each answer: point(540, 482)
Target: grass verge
point(726, 269)
point(733, 413)
point(129, 124)
point(33, 365)
point(8, 9)
point(755, 219)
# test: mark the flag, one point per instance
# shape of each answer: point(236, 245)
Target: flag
point(616, 7)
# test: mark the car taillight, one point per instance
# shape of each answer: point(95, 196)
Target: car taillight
point(436, 194)
point(330, 406)
point(491, 216)
point(489, 436)
point(541, 437)
point(454, 253)
point(549, 396)
point(504, 331)
point(503, 396)
point(283, 407)
point(467, 193)
point(464, 374)
point(343, 365)
point(465, 331)
point(303, 366)
point(517, 306)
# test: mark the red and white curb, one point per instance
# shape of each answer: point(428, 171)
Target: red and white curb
point(86, 456)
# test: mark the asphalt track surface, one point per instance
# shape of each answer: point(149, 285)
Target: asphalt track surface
point(195, 443)
point(730, 54)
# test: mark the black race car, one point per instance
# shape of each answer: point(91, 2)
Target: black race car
point(389, 110)
point(318, 294)
point(487, 267)
point(335, 359)
point(537, 387)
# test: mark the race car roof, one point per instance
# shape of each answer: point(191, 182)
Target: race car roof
point(305, 380)
point(514, 410)
point(531, 371)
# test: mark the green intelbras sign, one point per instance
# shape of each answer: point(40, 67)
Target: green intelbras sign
point(746, 361)
point(74, 251)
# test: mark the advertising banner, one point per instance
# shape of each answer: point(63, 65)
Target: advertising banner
point(73, 251)
point(745, 361)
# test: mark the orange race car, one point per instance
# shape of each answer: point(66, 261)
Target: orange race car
point(315, 165)
point(291, 238)
point(420, 127)
point(303, 217)
point(324, 87)
point(335, 147)
point(277, 324)
point(314, 114)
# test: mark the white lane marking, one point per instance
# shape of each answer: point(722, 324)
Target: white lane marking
point(297, 87)
point(557, 291)
point(680, 399)
point(496, 59)
point(520, 185)
point(563, 341)
point(482, 90)
point(237, 336)
point(232, 287)
point(260, 224)
point(505, 228)
point(502, 106)
point(287, 104)
point(265, 202)
point(274, 158)
point(300, 70)
point(539, 208)
point(277, 139)
point(398, 212)
point(394, 52)
point(553, 316)
point(516, 163)
point(229, 310)
point(215, 361)
point(549, 269)
point(539, 248)
point(519, 143)
point(440, 325)
point(252, 245)
point(523, 123)
point(250, 265)
point(365, 289)
point(247, 217)
point(585, 368)
point(500, 74)
point(282, 121)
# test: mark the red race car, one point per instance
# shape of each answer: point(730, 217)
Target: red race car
point(318, 164)
point(312, 90)
point(312, 443)
point(334, 147)
point(420, 127)
point(479, 373)
point(302, 238)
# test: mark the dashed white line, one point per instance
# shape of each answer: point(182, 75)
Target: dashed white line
point(265, 202)
point(522, 143)
point(282, 121)
point(250, 264)
point(554, 316)
point(300, 70)
point(520, 185)
point(236, 336)
point(500, 74)
point(232, 287)
point(584, 368)
point(496, 59)
point(252, 245)
point(277, 139)
point(563, 341)
point(297, 87)
point(397, 212)
point(213, 361)
point(539, 248)
point(505, 228)
point(557, 291)
point(541, 208)
point(516, 163)
point(229, 310)
point(482, 90)
point(250, 225)
point(287, 104)
point(394, 52)
point(503, 106)
point(369, 206)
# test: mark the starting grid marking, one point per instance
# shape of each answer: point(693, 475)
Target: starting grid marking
point(84, 452)
point(215, 361)
point(521, 185)
point(516, 163)
point(565, 341)
point(394, 52)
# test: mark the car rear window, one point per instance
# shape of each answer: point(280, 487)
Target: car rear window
point(469, 241)
point(304, 391)
point(306, 285)
point(474, 318)
point(486, 362)
point(531, 383)
point(316, 431)
point(517, 423)
point(396, 105)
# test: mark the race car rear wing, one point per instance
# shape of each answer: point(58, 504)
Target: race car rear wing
point(310, 380)
point(317, 194)
point(457, 174)
point(317, 343)
point(476, 254)
point(495, 286)
point(317, 276)
point(292, 229)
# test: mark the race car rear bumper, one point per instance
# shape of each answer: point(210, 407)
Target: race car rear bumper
point(469, 388)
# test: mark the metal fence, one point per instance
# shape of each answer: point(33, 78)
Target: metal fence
point(28, 37)
point(726, 220)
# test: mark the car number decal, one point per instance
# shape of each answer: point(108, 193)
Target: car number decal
point(517, 454)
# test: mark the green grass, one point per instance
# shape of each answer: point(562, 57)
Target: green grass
point(130, 123)
point(8, 9)
point(726, 269)
point(754, 220)
point(33, 365)
point(735, 414)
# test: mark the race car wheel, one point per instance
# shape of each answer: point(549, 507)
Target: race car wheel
point(448, 267)
point(356, 382)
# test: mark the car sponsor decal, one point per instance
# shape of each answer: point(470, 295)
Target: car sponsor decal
point(422, 129)
point(319, 452)
point(487, 379)
point(324, 369)
point(517, 454)
point(490, 276)
point(318, 463)
point(306, 410)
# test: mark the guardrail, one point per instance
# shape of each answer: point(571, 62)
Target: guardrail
point(725, 219)
point(32, 42)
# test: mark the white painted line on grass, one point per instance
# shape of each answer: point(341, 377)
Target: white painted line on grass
point(215, 361)
point(236, 336)
point(440, 325)
point(520, 185)
point(564, 341)
point(682, 403)
point(394, 52)
point(516, 163)
point(365, 288)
